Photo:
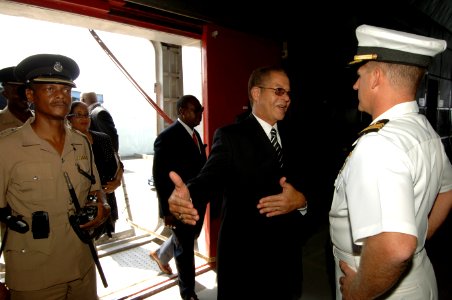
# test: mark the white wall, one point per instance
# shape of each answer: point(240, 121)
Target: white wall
point(134, 117)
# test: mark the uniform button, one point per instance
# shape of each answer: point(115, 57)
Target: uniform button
point(23, 251)
point(35, 177)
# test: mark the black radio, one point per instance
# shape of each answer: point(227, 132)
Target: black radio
point(86, 214)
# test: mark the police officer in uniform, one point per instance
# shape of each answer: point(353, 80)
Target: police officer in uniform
point(18, 109)
point(389, 182)
point(46, 259)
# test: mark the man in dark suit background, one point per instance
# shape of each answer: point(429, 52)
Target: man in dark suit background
point(176, 149)
point(264, 211)
point(101, 119)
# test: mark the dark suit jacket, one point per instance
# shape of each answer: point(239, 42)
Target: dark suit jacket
point(174, 150)
point(104, 156)
point(101, 120)
point(107, 166)
point(257, 255)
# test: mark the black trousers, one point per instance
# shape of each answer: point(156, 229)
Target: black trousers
point(184, 255)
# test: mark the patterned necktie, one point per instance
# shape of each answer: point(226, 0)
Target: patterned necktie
point(195, 140)
point(277, 146)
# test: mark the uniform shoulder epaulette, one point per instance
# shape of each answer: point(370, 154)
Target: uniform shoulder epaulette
point(73, 129)
point(76, 131)
point(8, 131)
point(374, 127)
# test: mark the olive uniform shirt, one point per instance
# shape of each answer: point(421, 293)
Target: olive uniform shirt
point(8, 120)
point(32, 179)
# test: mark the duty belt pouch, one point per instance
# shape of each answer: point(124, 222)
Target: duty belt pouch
point(40, 224)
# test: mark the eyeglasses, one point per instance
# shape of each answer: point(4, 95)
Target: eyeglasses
point(78, 116)
point(278, 91)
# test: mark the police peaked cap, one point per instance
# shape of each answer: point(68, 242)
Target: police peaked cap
point(48, 68)
point(387, 45)
point(7, 76)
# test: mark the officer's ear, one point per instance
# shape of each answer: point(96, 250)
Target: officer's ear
point(255, 93)
point(181, 111)
point(29, 93)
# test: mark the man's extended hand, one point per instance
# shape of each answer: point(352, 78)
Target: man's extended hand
point(288, 200)
point(180, 204)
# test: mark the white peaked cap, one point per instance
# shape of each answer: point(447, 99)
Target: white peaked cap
point(387, 45)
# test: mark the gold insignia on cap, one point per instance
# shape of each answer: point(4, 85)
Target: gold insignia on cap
point(58, 66)
point(374, 127)
point(360, 57)
point(366, 57)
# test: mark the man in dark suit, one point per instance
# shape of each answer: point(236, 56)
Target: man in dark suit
point(263, 208)
point(101, 119)
point(179, 147)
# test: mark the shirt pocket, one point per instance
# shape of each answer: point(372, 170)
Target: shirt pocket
point(339, 199)
point(34, 181)
point(23, 252)
point(338, 183)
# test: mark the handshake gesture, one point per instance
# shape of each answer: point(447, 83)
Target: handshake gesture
point(181, 206)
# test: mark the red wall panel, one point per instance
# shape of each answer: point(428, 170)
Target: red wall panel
point(229, 57)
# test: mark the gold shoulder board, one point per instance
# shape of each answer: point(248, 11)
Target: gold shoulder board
point(374, 127)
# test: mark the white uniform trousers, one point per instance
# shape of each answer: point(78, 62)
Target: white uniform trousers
point(418, 283)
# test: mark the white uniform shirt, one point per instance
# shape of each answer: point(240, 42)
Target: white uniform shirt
point(390, 180)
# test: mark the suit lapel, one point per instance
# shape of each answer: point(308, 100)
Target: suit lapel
point(185, 136)
point(202, 147)
point(260, 137)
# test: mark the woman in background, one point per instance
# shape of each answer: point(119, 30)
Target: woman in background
point(107, 160)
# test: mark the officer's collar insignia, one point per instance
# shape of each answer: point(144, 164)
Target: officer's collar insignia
point(81, 157)
point(58, 66)
point(374, 127)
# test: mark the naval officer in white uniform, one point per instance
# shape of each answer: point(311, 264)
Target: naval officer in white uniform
point(389, 182)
